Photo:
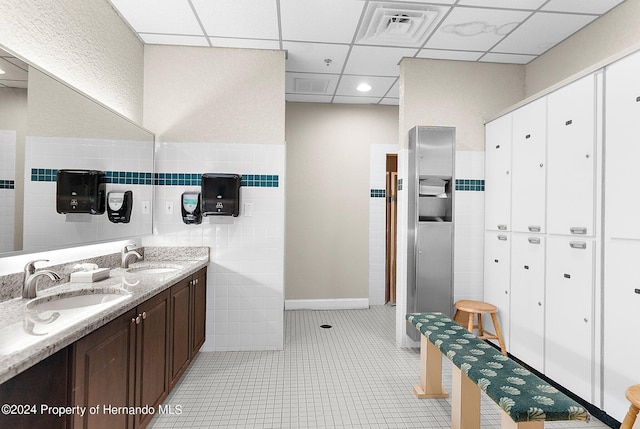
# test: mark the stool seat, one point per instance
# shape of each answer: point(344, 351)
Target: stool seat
point(467, 309)
point(633, 396)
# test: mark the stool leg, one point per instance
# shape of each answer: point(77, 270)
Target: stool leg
point(630, 418)
point(480, 328)
point(496, 325)
point(470, 323)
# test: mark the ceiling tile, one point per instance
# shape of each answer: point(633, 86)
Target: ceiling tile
point(293, 80)
point(355, 100)
point(394, 92)
point(541, 32)
point(439, 54)
point(165, 39)
point(333, 21)
point(310, 57)
point(223, 42)
point(239, 18)
point(473, 29)
point(309, 98)
point(506, 4)
point(507, 58)
point(159, 16)
point(379, 85)
point(581, 6)
point(376, 61)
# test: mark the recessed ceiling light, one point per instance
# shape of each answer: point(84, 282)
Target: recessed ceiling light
point(364, 87)
point(1, 71)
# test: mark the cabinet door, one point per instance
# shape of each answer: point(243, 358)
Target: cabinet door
point(527, 299)
point(620, 332)
point(104, 372)
point(571, 155)
point(180, 329)
point(497, 254)
point(152, 381)
point(497, 174)
point(622, 127)
point(569, 316)
point(529, 167)
point(198, 310)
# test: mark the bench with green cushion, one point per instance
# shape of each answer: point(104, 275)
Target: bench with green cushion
point(522, 395)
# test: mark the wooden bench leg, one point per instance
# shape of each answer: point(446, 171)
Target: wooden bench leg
point(465, 402)
point(430, 372)
point(508, 423)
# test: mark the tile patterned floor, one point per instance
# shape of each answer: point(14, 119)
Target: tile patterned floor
point(349, 376)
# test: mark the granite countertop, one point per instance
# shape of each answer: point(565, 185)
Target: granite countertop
point(29, 335)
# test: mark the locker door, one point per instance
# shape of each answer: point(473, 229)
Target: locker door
point(569, 314)
point(497, 266)
point(622, 128)
point(527, 299)
point(528, 167)
point(571, 156)
point(497, 174)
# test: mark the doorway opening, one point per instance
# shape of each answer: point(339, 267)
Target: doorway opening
point(391, 228)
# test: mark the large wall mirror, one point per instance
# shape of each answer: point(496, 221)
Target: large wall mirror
point(46, 126)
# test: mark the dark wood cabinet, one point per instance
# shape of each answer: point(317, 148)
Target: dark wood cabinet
point(198, 310)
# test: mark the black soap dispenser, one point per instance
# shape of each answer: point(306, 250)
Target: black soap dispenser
point(221, 194)
point(119, 205)
point(191, 213)
point(80, 191)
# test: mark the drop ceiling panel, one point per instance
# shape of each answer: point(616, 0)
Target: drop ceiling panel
point(376, 61)
point(507, 4)
point(440, 54)
point(310, 57)
point(379, 85)
point(541, 32)
point(167, 39)
point(159, 16)
point(223, 42)
point(320, 21)
point(507, 58)
point(581, 6)
point(239, 18)
point(394, 92)
point(302, 98)
point(474, 29)
point(355, 100)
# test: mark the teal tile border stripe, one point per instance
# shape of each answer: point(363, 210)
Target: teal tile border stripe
point(470, 185)
point(7, 184)
point(378, 193)
point(162, 179)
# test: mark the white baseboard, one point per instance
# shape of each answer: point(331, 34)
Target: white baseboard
point(327, 304)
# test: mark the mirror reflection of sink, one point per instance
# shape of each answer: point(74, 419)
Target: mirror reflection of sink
point(71, 300)
point(153, 269)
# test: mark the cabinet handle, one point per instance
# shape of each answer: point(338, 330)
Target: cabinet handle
point(637, 291)
point(144, 315)
point(534, 228)
point(567, 276)
point(528, 136)
point(497, 146)
point(578, 230)
point(586, 320)
point(637, 99)
point(502, 237)
point(569, 122)
point(137, 319)
point(496, 261)
point(502, 227)
point(133, 320)
point(534, 240)
point(526, 267)
point(578, 244)
point(506, 292)
point(541, 165)
point(539, 304)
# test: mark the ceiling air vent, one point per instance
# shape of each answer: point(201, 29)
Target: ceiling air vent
point(397, 24)
point(310, 85)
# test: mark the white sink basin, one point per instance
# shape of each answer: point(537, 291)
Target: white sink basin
point(71, 301)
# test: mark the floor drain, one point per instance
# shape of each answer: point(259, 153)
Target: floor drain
point(325, 326)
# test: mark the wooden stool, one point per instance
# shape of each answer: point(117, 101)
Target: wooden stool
point(633, 395)
point(471, 308)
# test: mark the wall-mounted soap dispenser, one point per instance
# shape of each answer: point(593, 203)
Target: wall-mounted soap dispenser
point(80, 191)
point(221, 194)
point(191, 213)
point(119, 205)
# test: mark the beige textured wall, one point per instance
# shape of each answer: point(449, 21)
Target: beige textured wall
point(216, 95)
point(327, 209)
point(456, 94)
point(84, 43)
point(613, 34)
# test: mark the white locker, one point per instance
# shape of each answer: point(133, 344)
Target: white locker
point(571, 158)
point(569, 337)
point(528, 299)
point(528, 166)
point(497, 265)
point(621, 309)
point(497, 171)
point(622, 128)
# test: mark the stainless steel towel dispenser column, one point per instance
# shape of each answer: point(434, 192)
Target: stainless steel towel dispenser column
point(430, 192)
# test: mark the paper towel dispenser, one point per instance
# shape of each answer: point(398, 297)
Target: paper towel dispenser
point(80, 191)
point(220, 194)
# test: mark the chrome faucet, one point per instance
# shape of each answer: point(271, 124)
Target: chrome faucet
point(31, 277)
point(126, 253)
